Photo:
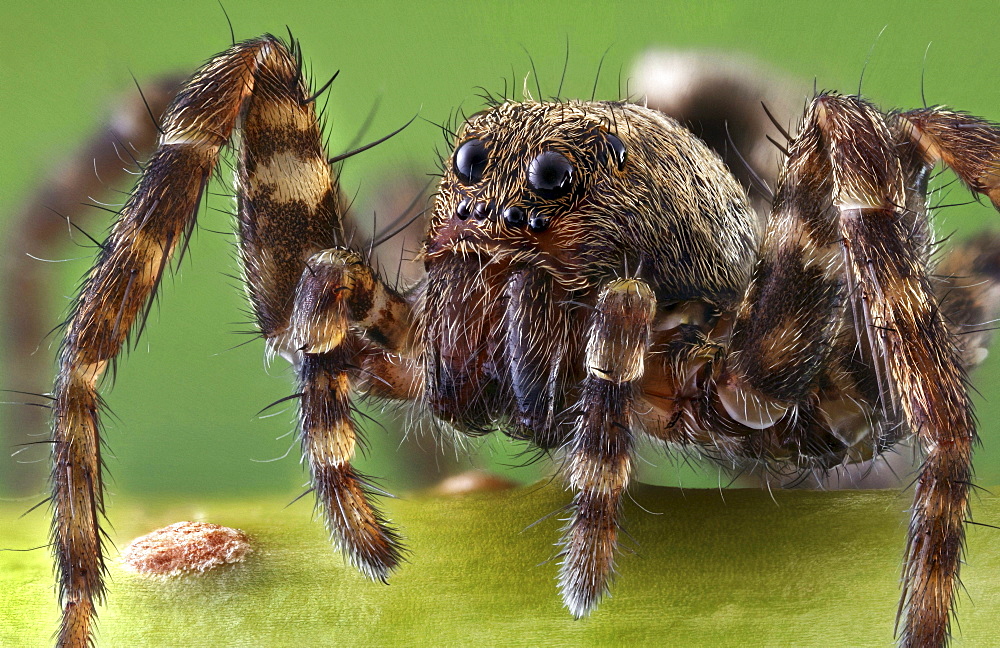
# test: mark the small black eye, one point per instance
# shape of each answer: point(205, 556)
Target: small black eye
point(538, 223)
point(463, 209)
point(550, 174)
point(515, 216)
point(616, 148)
point(469, 161)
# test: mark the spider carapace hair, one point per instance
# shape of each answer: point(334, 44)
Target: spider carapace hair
point(593, 273)
point(541, 207)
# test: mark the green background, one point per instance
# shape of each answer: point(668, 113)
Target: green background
point(184, 402)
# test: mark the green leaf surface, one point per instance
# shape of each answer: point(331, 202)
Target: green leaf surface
point(701, 568)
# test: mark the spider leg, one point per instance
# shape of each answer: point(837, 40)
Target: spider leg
point(289, 210)
point(970, 146)
point(885, 259)
point(600, 449)
point(337, 291)
point(840, 332)
point(775, 387)
point(788, 320)
point(156, 219)
point(307, 292)
point(740, 383)
point(968, 273)
point(288, 204)
point(931, 380)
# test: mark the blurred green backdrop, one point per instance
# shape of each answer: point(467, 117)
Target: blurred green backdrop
point(185, 401)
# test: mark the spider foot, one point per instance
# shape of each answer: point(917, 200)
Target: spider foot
point(328, 440)
point(588, 556)
point(358, 529)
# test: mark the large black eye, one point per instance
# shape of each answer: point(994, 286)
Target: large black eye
point(550, 174)
point(616, 149)
point(469, 161)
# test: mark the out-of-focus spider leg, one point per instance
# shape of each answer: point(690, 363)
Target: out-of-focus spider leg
point(337, 290)
point(600, 449)
point(968, 290)
point(38, 229)
point(289, 210)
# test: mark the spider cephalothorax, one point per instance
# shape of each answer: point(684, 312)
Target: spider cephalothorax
point(542, 205)
point(582, 190)
point(593, 273)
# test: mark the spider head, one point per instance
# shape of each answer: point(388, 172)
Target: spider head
point(590, 190)
point(521, 186)
point(540, 205)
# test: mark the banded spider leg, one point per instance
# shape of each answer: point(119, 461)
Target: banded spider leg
point(841, 337)
point(290, 213)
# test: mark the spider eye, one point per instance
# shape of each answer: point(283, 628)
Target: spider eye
point(550, 174)
point(469, 161)
point(616, 149)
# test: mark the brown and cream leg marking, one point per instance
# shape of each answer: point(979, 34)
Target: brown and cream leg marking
point(910, 341)
point(158, 216)
point(749, 385)
point(600, 450)
point(338, 291)
point(307, 293)
point(785, 327)
point(878, 166)
point(850, 226)
point(930, 377)
point(289, 210)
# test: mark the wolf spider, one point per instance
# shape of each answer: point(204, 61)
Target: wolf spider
point(593, 273)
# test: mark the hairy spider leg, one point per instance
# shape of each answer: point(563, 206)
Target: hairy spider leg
point(600, 449)
point(876, 167)
point(289, 210)
point(841, 328)
point(337, 290)
point(759, 388)
point(297, 278)
point(879, 195)
point(930, 379)
point(790, 316)
point(157, 217)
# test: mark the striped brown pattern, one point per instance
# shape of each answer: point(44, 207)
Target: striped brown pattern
point(284, 219)
point(157, 217)
point(328, 439)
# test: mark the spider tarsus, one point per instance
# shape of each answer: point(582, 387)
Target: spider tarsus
point(372, 545)
point(590, 540)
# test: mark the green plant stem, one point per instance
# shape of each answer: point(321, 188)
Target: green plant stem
point(700, 568)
